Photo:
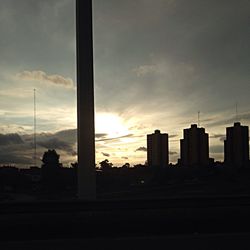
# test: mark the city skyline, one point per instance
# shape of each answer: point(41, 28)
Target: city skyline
point(65, 141)
point(156, 65)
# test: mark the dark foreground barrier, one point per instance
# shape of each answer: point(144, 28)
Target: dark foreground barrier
point(175, 222)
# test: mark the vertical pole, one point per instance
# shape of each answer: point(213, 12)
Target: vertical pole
point(199, 118)
point(34, 128)
point(85, 101)
point(236, 112)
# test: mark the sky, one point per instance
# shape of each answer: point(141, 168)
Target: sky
point(156, 64)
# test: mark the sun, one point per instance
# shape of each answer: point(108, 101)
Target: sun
point(110, 124)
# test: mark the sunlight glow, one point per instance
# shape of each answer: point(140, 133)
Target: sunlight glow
point(110, 124)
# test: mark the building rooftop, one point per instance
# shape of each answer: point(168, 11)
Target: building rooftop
point(237, 124)
point(193, 125)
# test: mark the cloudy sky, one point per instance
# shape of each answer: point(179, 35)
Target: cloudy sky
point(157, 63)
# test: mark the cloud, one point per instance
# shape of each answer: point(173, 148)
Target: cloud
point(143, 149)
point(18, 149)
point(221, 137)
point(100, 135)
point(68, 135)
point(125, 158)
point(105, 154)
point(215, 136)
point(13, 158)
point(18, 154)
point(172, 136)
point(55, 143)
point(144, 70)
point(71, 135)
point(16, 93)
point(173, 153)
point(198, 65)
point(73, 153)
point(183, 40)
point(230, 121)
point(116, 138)
point(138, 127)
point(41, 76)
point(10, 139)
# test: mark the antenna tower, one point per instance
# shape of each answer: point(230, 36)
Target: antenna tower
point(199, 118)
point(34, 128)
point(236, 112)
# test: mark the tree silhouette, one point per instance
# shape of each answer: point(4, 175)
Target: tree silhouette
point(51, 166)
point(126, 165)
point(105, 165)
point(51, 159)
point(74, 165)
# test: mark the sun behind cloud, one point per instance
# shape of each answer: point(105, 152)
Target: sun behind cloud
point(110, 124)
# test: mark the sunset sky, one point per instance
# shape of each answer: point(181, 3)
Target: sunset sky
point(157, 63)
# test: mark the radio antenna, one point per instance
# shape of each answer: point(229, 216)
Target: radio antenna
point(199, 118)
point(236, 112)
point(34, 128)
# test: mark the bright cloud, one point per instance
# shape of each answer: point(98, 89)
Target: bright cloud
point(38, 75)
point(144, 70)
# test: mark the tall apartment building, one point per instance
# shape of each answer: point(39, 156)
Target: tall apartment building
point(157, 149)
point(194, 147)
point(236, 145)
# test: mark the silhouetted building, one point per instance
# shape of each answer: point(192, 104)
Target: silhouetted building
point(236, 145)
point(157, 149)
point(194, 147)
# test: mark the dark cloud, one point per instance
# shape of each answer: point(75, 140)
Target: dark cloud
point(52, 24)
point(64, 140)
point(187, 48)
point(70, 135)
point(176, 54)
point(221, 137)
point(105, 154)
point(74, 153)
point(100, 135)
point(55, 143)
point(215, 136)
point(10, 139)
point(16, 154)
point(172, 136)
point(29, 138)
point(13, 158)
point(18, 149)
point(230, 121)
point(115, 138)
point(143, 149)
